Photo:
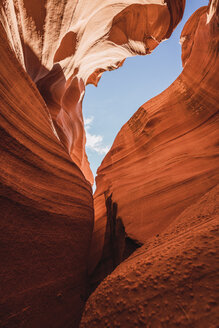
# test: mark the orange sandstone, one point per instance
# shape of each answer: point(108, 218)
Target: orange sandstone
point(161, 163)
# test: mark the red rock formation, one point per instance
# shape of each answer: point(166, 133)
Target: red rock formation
point(46, 210)
point(50, 50)
point(64, 46)
point(165, 157)
point(46, 202)
point(170, 281)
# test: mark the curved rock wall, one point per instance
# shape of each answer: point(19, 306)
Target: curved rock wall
point(165, 157)
point(46, 210)
point(63, 45)
point(170, 281)
point(162, 160)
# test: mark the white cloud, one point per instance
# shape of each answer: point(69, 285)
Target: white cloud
point(94, 142)
point(88, 121)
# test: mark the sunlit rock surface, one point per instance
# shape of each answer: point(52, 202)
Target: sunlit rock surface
point(163, 160)
point(166, 156)
point(46, 210)
point(63, 45)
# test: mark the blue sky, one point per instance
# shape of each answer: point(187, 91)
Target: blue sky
point(121, 92)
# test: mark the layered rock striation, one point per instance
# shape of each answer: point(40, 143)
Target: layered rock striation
point(64, 45)
point(50, 50)
point(165, 154)
point(46, 210)
point(165, 157)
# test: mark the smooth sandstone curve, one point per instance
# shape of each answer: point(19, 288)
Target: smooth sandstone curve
point(166, 156)
point(46, 209)
point(64, 45)
point(58, 47)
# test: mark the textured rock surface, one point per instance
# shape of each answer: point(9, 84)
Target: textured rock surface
point(165, 157)
point(64, 45)
point(56, 47)
point(170, 281)
point(46, 210)
point(50, 50)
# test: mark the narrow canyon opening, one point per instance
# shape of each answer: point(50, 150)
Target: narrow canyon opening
point(104, 107)
point(141, 250)
point(108, 106)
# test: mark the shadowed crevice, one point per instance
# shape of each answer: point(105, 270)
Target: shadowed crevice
point(118, 246)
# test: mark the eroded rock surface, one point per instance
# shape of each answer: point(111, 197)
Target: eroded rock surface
point(50, 51)
point(170, 281)
point(64, 45)
point(46, 210)
point(165, 157)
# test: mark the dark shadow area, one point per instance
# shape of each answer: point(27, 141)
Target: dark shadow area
point(117, 246)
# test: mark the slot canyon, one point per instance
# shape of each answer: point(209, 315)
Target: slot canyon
point(142, 251)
